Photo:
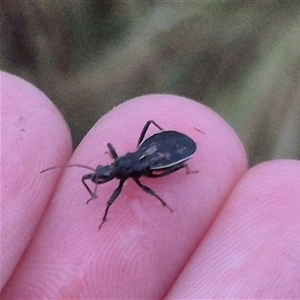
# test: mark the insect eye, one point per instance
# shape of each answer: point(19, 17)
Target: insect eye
point(104, 172)
point(99, 167)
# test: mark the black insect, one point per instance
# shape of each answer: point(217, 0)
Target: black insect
point(157, 156)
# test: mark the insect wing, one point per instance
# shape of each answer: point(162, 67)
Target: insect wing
point(166, 149)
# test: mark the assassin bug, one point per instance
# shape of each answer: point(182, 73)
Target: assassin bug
point(159, 155)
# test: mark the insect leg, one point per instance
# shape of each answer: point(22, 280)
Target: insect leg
point(111, 200)
point(145, 128)
point(188, 171)
point(112, 151)
point(151, 192)
point(83, 179)
point(171, 170)
point(166, 171)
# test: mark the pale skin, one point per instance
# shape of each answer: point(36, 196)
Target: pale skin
point(234, 232)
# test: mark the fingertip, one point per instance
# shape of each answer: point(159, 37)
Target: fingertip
point(220, 158)
point(256, 230)
point(33, 135)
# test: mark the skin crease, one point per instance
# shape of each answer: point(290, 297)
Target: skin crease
point(234, 233)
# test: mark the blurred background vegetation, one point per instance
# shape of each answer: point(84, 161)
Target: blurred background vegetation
point(241, 58)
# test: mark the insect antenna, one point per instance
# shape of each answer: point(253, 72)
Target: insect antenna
point(68, 166)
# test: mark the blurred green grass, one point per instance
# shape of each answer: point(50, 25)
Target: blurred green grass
point(241, 58)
